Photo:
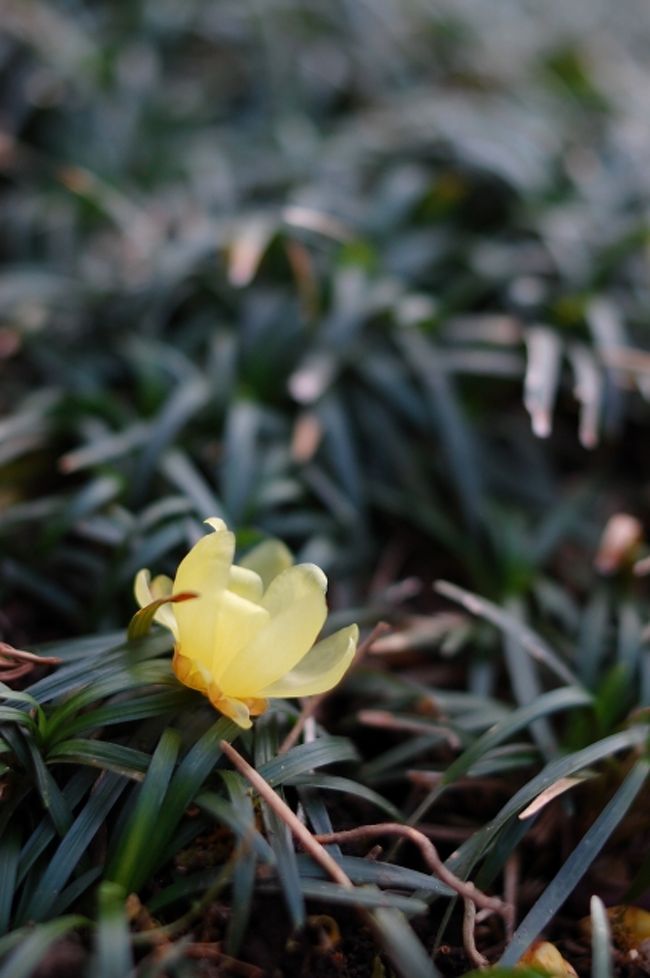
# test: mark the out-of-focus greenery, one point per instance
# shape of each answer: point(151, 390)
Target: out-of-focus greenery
point(369, 277)
point(288, 262)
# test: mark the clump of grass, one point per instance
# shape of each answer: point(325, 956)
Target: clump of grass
point(266, 265)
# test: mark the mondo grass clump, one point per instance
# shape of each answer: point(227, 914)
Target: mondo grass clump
point(367, 285)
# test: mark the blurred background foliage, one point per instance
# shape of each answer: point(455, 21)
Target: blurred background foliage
point(371, 277)
point(327, 269)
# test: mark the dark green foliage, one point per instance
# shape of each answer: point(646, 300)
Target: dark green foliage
point(372, 278)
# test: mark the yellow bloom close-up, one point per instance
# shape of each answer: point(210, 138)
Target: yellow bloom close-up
point(248, 631)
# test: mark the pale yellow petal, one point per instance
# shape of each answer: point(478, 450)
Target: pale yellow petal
point(231, 707)
point(321, 669)
point(188, 673)
point(296, 602)
point(205, 570)
point(142, 587)
point(147, 591)
point(246, 583)
point(292, 584)
point(162, 587)
point(237, 623)
point(268, 559)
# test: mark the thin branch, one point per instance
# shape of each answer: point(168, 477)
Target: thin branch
point(300, 832)
point(314, 846)
point(472, 897)
point(510, 889)
point(465, 889)
point(469, 942)
point(386, 720)
point(312, 704)
point(9, 652)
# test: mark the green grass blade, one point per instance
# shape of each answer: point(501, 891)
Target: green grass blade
point(360, 896)
point(65, 860)
point(472, 850)
point(131, 863)
point(34, 946)
point(150, 704)
point(526, 685)
point(243, 883)
point(10, 714)
point(128, 761)
point(185, 401)
point(530, 640)
point(456, 436)
point(226, 813)
point(277, 832)
point(71, 893)
point(186, 783)
point(41, 837)
point(51, 796)
point(286, 865)
point(307, 757)
point(332, 782)
point(386, 875)
point(401, 945)
point(602, 965)
point(113, 957)
point(576, 865)
point(565, 698)
point(9, 856)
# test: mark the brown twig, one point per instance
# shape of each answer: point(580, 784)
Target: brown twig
point(471, 896)
point(314, 846)
point(464, 889)
point(510, 889)
point(469, 941)
point(388, 721)
point(9, 652)
point(16, 663)
point(312, 704)
point(309, 843)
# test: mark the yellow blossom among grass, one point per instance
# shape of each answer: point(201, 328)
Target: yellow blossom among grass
point(248, 632)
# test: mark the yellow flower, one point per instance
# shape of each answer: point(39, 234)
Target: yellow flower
point(248, 633)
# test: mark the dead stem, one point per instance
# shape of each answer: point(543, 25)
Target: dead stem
point(314, 846)
point(472, 897)
point(318, 853)
point(464, 889)
point(16, 663)
point(9, 652)
point(386, 720)
point(301, 833)
point(469, 942)
point(311, 705)
point(510, 889)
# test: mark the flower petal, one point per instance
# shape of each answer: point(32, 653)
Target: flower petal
point(205, 570)
point(237, 623)
point(322, 667)
point(187, 673)
point(148, 591)
point(268, 559)
point(246, 583)
point(231, 707)
point(142, 587)
point(296, 603)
